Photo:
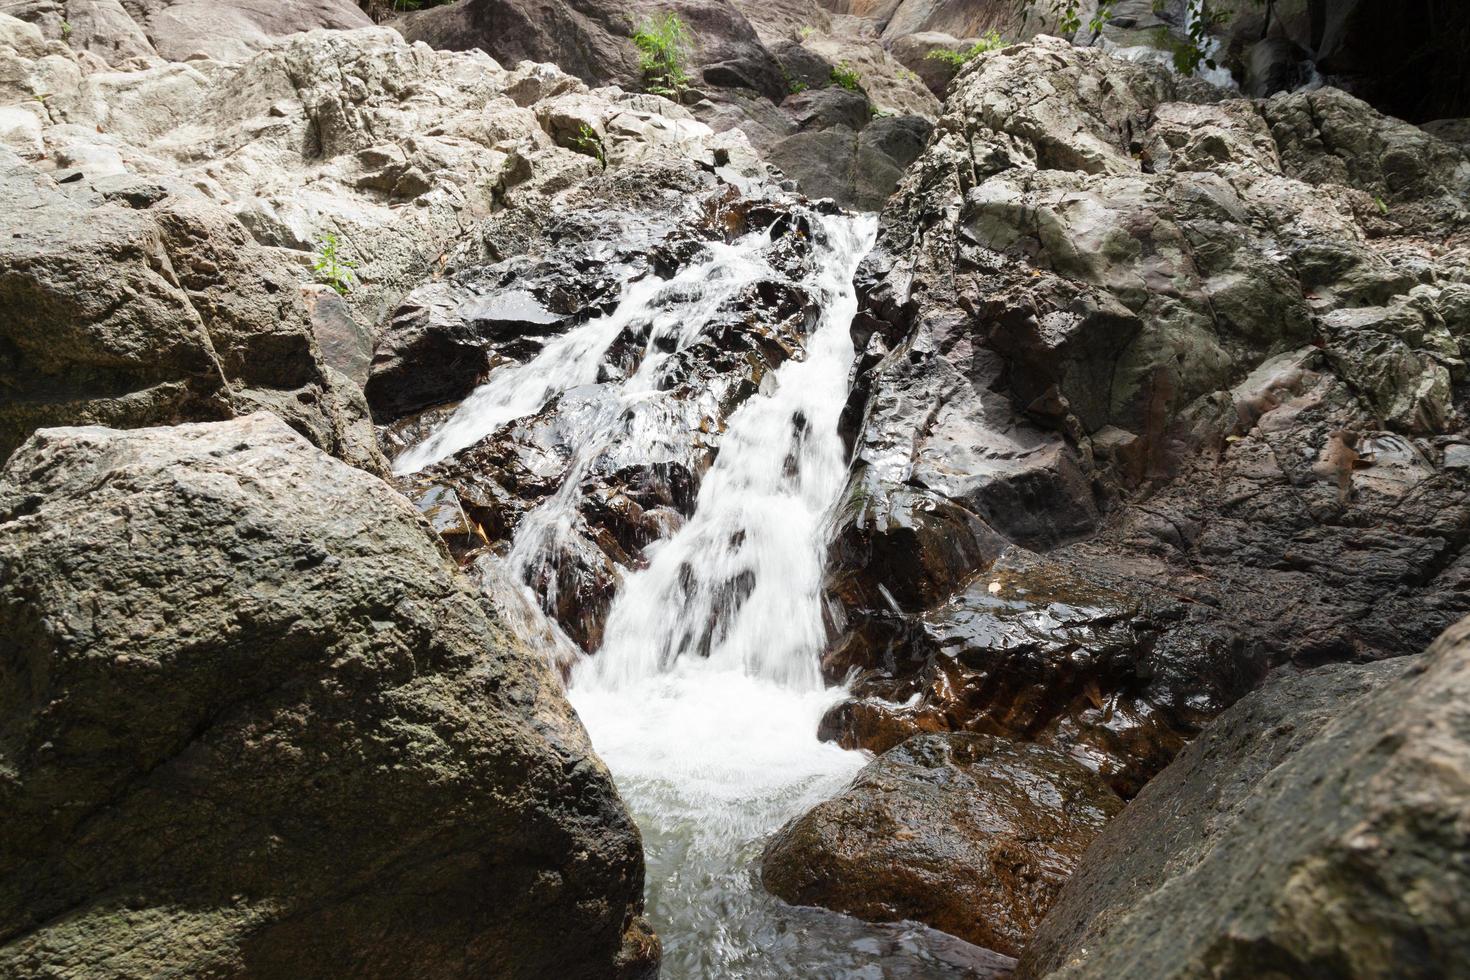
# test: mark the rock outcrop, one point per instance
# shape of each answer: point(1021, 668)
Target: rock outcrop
point(158, 265)
point(967, 833)
point(141, 307)
point(1206, 356)
point(1317, 828)
point(767, 76)
point(255, 725)
point(118, 31)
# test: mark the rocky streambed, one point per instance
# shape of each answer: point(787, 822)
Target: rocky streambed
point(463, 517)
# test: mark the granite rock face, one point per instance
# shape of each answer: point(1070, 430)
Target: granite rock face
point(1205, 358)
point(256, 725)
point(133, 316)
point(968, 833)
point(118, 31)
point(1317, 828)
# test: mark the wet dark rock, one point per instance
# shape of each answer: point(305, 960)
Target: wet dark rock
point(644, 459)
point(1200, 356)
point(256, 725)
point(970, 834)
point(1272, 65)
point(1314, 829)
point(1030, 650)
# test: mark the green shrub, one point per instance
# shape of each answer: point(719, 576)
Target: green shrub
point(332, 267)
point(989, 42)
point(846, 76)
point(66, 30)
point(663, 50)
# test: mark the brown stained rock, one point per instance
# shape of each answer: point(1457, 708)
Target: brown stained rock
point(1030, 649)
point(967, 833)
point(255, 725)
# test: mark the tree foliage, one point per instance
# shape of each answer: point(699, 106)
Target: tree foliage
point(663, 52)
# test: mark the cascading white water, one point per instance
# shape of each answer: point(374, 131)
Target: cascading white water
point(705, 697)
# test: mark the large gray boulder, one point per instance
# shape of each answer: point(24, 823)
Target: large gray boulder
point(255, 725)
point(1317, 828)
point(177, 30)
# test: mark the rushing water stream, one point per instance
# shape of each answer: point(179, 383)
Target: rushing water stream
point(705, 696)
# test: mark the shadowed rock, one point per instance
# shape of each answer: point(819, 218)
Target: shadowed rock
point(255, 725)
point(1317, 828)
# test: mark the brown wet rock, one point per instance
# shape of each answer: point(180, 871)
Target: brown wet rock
point(1030, 649)
point(967, 833)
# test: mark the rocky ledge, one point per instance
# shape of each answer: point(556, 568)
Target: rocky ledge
point(1159, 390)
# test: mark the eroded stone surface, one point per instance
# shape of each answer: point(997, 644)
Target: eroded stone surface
point(1318, 826)
point(1205, 356)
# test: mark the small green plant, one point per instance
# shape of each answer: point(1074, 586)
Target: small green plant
point(793, 84)
point(1382, 205)
point(332, 267)
point(663, 49)
point(846, 76)
point(1069, 15)
point(66, 30)
point(591, 144)
point(1193, 51)
point(990, 42)
point(806, 31)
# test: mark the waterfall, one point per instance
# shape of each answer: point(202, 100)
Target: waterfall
point(705, 696)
